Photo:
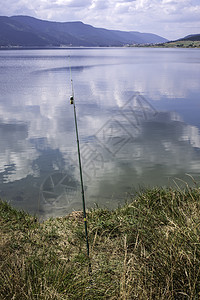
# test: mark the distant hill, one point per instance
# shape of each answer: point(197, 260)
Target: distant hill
point(191, 37)
point(189, 41)
point(27, 31)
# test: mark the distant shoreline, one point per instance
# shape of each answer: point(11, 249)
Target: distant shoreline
point(167, 45)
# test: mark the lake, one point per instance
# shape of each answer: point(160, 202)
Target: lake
point(138, 119)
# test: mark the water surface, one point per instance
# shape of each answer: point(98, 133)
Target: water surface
point(138, 118)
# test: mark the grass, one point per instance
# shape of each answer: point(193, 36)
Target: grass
point(146, 249)
point(180, 44)
point(172, 44)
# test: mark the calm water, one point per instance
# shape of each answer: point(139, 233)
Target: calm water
point(138, 117)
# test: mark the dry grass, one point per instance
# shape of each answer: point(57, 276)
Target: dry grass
point(147, 249)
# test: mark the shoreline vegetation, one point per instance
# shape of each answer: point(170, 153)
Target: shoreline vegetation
point(179, 44)
point(172, 44)
point(147, 249)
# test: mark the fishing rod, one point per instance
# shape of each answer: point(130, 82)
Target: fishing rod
point(72, 102)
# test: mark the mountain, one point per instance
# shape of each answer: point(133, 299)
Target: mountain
point(191, 37)
point(27, 31)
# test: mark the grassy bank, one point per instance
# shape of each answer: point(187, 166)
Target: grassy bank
point(147, 249)
point(180, 44)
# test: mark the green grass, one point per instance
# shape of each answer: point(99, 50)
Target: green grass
point(147, 249)
point(180, 44)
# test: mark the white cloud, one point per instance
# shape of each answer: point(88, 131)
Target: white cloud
point(74, 3)
point(99, 5)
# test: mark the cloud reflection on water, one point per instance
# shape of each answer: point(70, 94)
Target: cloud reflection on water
point(37, 119)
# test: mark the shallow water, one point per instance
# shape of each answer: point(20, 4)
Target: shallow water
point(138, 118)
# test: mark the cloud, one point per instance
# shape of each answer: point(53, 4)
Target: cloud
point(154, 16)
point(99, 5)
point(74, 3)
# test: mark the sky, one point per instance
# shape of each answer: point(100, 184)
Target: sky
point(171, 19)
